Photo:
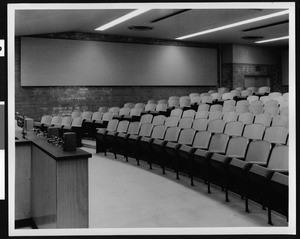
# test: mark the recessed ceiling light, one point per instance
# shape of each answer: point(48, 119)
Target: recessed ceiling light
point(122, 19)
point(273, 39)
point(140, 28)
point(252, 38)
point(234, 24)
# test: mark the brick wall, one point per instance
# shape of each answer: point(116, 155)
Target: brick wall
point(37, 101)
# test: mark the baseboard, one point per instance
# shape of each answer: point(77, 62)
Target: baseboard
point(28, 222)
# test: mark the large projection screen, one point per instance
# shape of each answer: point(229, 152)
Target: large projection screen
point(57, 62)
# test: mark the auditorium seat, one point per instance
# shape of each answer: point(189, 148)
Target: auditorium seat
point(246, 93)
point(246, 118)
point(147, 118)
point(272, 110)
point(162, 101)
point(230, 116)
point(103, 109)
point(228, 108)
point(55, 121)
point(203, 107)
point(254, 131)
point(192, 95)
point(215, 115)
point(253, 89)
point(256, 102)
point(75, 113)
point(189, 113)
point(115, 110)
point(271, 103)
point(258, 176)
point(134, 115)
point(202, 115)
point(65, 121)
point(172, 121)
point(215, 107)
point(242, 102)
point(275, 95)
point(264, 90)
point(86, 115)
point(160, 109)
point(186, 123)
point(280, 120)
point(46, 120)
point(223, 90)
point(172, 103)
point(106, 117)
point(216, 126)
point(209, 92)
point(159, 119)
point(216, 96)
point(229, 102)
point(235, 93)
point(256, 109)
point(149, 107)
point(276, 134)
point(125, 111)
point(252, 98)
point(200, 124)
point(129, 105)
point(264, 119)
point(76, 127)
point(227, 96)
point(240, 109)
point(207, 99)
point(88, 124)
point(185, 102)
point(176, 112)
point(265, 99)
point(195, 101)
point(140, 105)
point(151, 101)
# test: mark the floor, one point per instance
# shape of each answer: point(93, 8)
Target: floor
point(124, 195)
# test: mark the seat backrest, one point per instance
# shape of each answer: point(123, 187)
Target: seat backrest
point(242, 102)
point(107, 116)
point(173, 103)
point(234, 128)
point(256, 102)
point(263, 118)
point(216, 96)
point(279, 158)
point(184, 101)
point(246, 93)
point(186, 123)
point(136, 111)
point(215, 107)
point(258, 151)
point(162, 101)
point(240, 109)
point(218, 143)
point(202, 115)
point(284, 111)
point(161, 107)
point(207, 93)
point(256, 109)
point(172, 134)
point(272, 110)
point(212, 91)
point(147, 118)
point(146, 130)
point(158, 131)
point(140, 105)
point(237, 147)
point(151, 101)
point(128, 105)
point(176, 112)
point(186, 136)
point(227, 96)
point(265, 99)
point(46, 119)
point(280, 99)
point(215, 115)
point(56, 120)
point(206, 99)
point(192, 95)
point(66, 120)
point(276, 134)
point(230, 116)
point(223, 90)
point(75, 114)
point(150, 106)
point(125, 111)
point(189, 113)
point(174, 97)
point(264, 89)
point(114, 110)
point(246, 118)
point(280, 120)
point(203, 107)
point(112, 125)
point(229, 102)
point(133, 127)
point(228, 108)
point(122, 126)
point(254, 131)
point(200, 124)
point(235, 92)
point(77, 121)
point(159, 119)
point(251, 98)
point(202, 139)
point(275, 95)
point(253, 89)
point(103, 109)
point(286, 96)
point(271, 103)
point(216, 126)
point(87, 115)
point(172, 121)
point(196, 100)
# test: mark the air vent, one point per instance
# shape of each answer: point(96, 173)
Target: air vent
point(140, 28)
point(252, 38)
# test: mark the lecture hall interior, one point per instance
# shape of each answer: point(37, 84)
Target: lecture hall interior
point(152, 118)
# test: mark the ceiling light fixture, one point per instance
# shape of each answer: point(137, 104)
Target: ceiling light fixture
point(273, 39)
point(234, 24)
point(122, 19)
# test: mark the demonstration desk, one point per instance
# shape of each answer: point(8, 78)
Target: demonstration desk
point(59, 183)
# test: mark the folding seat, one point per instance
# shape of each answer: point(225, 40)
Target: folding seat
point(140, 105)
point(172, 121)
point(159, 119)
point(65, 121)
point(101, 133)
point(162, 101)
point(207, 99)
point(210, 92)
point(203, 107)
point(215, 115)
point(278, 195)
point(114, 110)
point(195, 101)
point(234, 128)
point(173, 103)
point(55, 121)
point(242, 102)
point(253, 89)
point(227, 96)
point(215, 96)
point(272, 110)
point(160, 109)
point(246, 93)
point(264, 90)
point(88, 124)
point(215, 107)
point(240, 109)
point(275, 95)
point(246, 118)
point(280, 99)
point(280, 120)
point(258, 176)
point(254, 131)
point(286, 96)
point(223, 90)
point(284, 104)
point(76, 127)
point(240, 88)
point(230, 116)
point(228, 108)
point(147, 118)
point(202, 115)
point(186, 123)
point(185, 102)
point(192, 95)
point(102, 123)
point(252, 98)
point(87, 115)
point(75, 114)
point(151, 101)
point(229, 102)
point(103, 109)
point(263, 118)
point(134, 115)
point(174, 97)
point(46, 119)
point(256, 102)
point(265, 99)
point(129, 105)
point(235, 93)
point(276, 134)
point(110, 136)
point(200, 124)
point(256, 109)
point(271, 103)
point(189, 113)
point(176, 112)
point(216, 126)
point(125, 111)
point(149, 107)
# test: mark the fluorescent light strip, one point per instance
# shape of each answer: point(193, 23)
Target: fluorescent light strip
point(122, 19)
point(235, 24)
point(273, 39)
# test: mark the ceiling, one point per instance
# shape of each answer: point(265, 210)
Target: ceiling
point(166, 23)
